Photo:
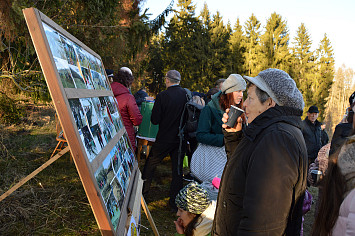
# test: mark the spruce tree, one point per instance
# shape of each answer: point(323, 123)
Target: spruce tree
point(274, 44)
point(324, 75)
point(303, 63)
point(252, 48)
point(237, 47)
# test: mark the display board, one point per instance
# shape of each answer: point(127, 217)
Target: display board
point(88, 112)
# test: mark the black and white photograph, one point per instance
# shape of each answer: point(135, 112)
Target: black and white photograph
point(89, 110)
point(89, 143)
point(78, 113)
point(54, 42)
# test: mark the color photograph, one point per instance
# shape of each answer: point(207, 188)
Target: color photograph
point(78, 79)
point(64, 72)
point(70, 51)
point(82, 56)
point(113, 210)
point(87, 78)
point(116, 161)
point(122, 179)
point(104, 176)
point(100, 142)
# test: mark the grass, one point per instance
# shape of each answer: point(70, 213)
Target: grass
point(54, 202)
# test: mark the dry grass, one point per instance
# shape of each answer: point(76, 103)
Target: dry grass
point(54, 202)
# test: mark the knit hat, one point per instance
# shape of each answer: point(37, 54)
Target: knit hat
point(279, 86)
point(233, 83)
point(126, 69)
point(192, 198)
point(352, 98)
point(313, 109)
point(173, 74)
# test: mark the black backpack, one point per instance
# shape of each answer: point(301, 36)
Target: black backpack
point(189, 118)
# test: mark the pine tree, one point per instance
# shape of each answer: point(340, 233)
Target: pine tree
point(237, 46)
point(252, 33)
point(274, 44)
point(324, 75)
point(303, 61)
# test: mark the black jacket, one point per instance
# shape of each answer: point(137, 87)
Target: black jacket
point(314, 136)
point(341, 132)
point(166, 113)
point(263, 183)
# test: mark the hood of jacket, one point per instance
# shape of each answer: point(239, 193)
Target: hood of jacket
point(119, 89)
point(273, 115)
point(214, 103)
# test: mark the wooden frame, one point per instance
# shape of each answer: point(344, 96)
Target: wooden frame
point(91, 122)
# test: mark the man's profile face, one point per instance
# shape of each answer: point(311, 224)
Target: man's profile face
point(312, 117)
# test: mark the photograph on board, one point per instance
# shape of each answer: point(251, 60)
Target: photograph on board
point(78, 113)
point(118, 191)
point(55, 43)
point(89, 110)
point(82, 55)
point(70, 51)
point(87, 78)
point(104, 176)
point(89, 143)
point(116, 160)
point(113, 210)
point(105, 130)
point(121, 176)
point(64, 73)
point(98, 137)
point(78, 79)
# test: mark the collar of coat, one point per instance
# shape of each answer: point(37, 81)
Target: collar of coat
point(316, 123)
point(214, 103)
point(273, 115)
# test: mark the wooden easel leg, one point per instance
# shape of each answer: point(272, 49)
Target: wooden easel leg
point(149, 216)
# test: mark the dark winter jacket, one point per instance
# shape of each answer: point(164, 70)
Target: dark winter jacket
point(341, 132)
point(263, 183)
point(128, 110)
point(166, 113)
point(314, 136)
point(209, 130)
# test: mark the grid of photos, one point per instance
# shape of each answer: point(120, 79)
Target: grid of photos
point(96, 123)
point(77, 68)
point(113, 178)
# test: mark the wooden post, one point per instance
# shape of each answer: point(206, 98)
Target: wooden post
point(149, 216)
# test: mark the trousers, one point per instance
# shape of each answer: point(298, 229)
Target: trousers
point(158, 152)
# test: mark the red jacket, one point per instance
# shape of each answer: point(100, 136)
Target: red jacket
point(128, 110)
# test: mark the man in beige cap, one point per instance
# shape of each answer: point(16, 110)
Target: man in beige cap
point(166, 113)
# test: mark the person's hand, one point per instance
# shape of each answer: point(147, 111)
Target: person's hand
point(312, 166)
point(236, 128)
point(179, 227)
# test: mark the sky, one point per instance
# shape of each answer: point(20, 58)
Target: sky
point(336, 18)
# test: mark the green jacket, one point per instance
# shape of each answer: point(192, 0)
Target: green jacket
point(209, 130)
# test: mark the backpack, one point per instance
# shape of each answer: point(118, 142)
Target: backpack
point(189, 120)
point(190, 115)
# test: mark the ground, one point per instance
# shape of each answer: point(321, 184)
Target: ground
point(54, 202)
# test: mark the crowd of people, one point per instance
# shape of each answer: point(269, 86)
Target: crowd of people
point(264, 163)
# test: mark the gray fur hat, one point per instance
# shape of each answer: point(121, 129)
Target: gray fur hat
point(346, 158)
point(192, 198)
point(233, 83)
point(279, 86)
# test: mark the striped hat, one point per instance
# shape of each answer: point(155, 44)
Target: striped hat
point(192, 198)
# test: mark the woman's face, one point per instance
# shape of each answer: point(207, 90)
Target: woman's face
point(253, 106)
point(185, 217)
point(238, 96)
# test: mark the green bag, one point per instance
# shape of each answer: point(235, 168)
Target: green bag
point(186, 162)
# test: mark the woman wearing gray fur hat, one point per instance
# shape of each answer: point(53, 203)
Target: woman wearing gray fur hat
point(195, 211)
point(263, 184)
point(210, 156)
